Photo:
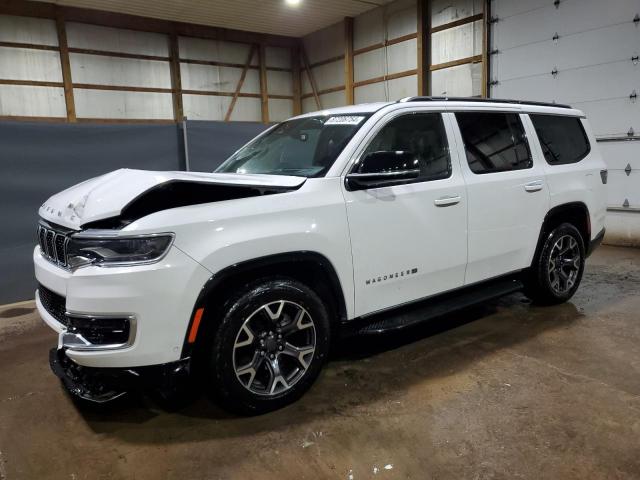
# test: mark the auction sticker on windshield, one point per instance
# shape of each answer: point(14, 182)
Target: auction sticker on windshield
point(344, 120)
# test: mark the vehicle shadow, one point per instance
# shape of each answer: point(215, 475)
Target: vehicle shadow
point(362, 371)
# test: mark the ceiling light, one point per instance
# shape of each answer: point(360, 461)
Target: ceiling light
point(292, 3)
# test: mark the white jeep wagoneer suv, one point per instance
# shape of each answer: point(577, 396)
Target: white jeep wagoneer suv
point(324, 223)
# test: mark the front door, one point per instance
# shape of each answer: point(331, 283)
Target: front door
point(409, 241)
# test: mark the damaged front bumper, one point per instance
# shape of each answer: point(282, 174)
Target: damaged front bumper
point(101, 385)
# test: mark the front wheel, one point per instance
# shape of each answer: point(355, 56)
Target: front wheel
point(557, 270)
point(270, 346)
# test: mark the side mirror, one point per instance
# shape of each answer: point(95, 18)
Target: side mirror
point(383, 169)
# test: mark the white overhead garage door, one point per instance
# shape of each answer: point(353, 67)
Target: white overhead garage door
point(584, 53)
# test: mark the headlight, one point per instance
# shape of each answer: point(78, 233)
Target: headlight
point(85, 249)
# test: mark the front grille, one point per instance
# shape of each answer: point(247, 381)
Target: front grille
point(54, 304)
point(53, 244)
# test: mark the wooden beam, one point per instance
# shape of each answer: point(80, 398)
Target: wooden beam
point(337, 58)
point(66, 66)
point(455, 63)
point(391, 76)
point(393, 41)
point(348, 60)
point(33, 46)
point(264, 88)
point(312, 81)
point(424, 47)
point(139, 23)
point(121, 88)
point(107, 53)
point(31, 83)
point(243, 75)
point(217, 93)
point(339, 88)
point(176, 78)
point(296, 81)
point(485, 48)
point(457, 23)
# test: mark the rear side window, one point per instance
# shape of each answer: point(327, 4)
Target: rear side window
point(494, 142)
point(563, 139)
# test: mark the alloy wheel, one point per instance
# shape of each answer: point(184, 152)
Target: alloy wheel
point(564, 264)
point(274, 347)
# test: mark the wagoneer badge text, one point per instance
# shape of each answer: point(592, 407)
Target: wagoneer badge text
point(383, 278)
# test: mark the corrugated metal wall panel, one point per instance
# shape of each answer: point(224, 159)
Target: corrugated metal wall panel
point(329, 75)
point(280, 109)
point(103, 70)
point(246, 109)
point(27, 101)
point(278, 57)
point(94, 37)
point(459, 81)
point(213, 78)
point(279, 83)
point(456, 43)
point(368, 29)
point(214, 50)
point(39, 31)
point(125, 105)
point(28, 64)
point(203, 107)
point(325, 43)
point(446, 11)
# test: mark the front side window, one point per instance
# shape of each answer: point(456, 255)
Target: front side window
point(494, 141)
point(305, 147)
point(421, 136)
point(563, 139)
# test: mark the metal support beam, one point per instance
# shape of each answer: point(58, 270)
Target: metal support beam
point(65, 66)
point(348, 60)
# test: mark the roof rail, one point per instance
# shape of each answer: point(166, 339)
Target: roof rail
point(483, 100)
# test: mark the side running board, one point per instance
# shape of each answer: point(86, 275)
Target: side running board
point(418, 312)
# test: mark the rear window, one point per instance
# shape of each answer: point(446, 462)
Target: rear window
point(563, 139)
point(494, 142)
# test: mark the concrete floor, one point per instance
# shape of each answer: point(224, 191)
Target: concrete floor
point(500, 391)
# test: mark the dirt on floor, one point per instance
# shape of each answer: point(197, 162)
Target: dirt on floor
point(507, 390)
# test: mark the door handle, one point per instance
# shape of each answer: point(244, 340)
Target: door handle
point(534, 186)
point(446, 201)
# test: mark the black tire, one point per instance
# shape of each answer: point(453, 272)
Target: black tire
point(554, 278)
point(257, 393)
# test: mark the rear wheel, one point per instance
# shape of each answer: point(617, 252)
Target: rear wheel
point(557, 270)
point(270, 346)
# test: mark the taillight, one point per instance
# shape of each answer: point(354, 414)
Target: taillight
point(604, 174)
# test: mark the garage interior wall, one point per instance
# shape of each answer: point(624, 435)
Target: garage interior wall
point(583, 53)
point(378, 55)
point(125, 75)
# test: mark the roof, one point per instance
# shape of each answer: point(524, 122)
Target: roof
point(453, 103)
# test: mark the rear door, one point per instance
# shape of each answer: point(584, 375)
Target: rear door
point(409, 241)
point(507, 193)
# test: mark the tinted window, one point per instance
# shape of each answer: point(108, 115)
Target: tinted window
point(563, 139)
point(494, 142)
point(423, 136)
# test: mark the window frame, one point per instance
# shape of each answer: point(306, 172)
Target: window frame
point(527, 143)
point(584, 133)
point(384, 123)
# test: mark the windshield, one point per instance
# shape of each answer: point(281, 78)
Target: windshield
point(305, 147)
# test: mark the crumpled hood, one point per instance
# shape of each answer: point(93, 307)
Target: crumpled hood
point(107, 195)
